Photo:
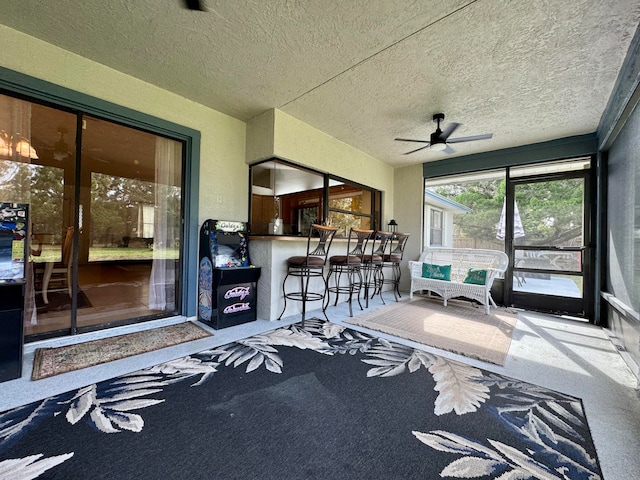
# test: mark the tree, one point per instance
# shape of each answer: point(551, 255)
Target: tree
point(551, 211)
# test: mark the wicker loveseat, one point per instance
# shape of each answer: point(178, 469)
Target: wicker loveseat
point(458, 272)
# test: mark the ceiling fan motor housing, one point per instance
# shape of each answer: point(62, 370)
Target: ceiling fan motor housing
point(436, 137)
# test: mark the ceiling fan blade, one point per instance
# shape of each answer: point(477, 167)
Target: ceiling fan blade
point(486, 136)
point(449, 130)
point(416, 150)
point(411, 140)
point(449, 150)
point(194, 5)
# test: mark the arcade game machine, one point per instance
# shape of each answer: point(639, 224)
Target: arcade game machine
point(227, 282)
point(13, 256)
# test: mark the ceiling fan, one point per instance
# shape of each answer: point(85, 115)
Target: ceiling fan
point(194, 5)
point(440, 140)
point(61, 150)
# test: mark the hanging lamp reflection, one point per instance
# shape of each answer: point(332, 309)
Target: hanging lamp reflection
point(21, 147)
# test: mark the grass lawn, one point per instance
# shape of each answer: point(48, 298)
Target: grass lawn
point(51, 253)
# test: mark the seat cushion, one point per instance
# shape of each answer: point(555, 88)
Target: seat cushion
point(392, 257)
point(372, 258)
point(437, 272)
point(476, 276)
point(304, 261)
point(344, 259)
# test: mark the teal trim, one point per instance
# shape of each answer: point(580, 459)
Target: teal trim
point(192, 228)
point(35, 89)
point(578, 146)
point(623, 101)
point(624, 98)
point(47, 92)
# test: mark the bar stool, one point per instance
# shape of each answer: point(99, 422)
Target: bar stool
point(348, 265)
point(392, 260)
point(372, 266)
point(309, 266)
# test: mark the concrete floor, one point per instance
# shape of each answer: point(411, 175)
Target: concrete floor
point(569, 356)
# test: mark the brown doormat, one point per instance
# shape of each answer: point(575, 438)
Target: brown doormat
point(54, 361)
point(459, 327)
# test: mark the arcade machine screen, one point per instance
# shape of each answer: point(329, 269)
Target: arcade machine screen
point(230, 249)
point(13, 240)
point(13, 248)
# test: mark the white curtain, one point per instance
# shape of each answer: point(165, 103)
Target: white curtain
point(162, 286)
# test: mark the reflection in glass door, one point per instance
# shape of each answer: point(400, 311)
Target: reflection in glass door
point(548, 243)
point(130, 224)
point(106, 223)
point(43, 176)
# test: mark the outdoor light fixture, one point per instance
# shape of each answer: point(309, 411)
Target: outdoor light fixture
point(393, 226)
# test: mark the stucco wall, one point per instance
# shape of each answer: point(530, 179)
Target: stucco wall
point(300, 143)
point(409, 194)
point(225, 148)
point(222, 153)
point(222, 156)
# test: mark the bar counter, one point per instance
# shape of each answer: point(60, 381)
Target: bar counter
point(271, 252)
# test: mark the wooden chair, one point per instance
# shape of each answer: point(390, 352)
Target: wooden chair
point(59, 271)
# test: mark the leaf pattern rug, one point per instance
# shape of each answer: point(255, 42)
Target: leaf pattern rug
point(320, 402)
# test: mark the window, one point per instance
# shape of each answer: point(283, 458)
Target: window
point(350, 206)
point(435, 228)
point(473, 205)
point(286, 199)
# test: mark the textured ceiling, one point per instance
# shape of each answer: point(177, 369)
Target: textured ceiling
point(364, 71)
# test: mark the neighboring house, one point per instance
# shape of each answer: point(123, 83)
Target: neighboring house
point(438, 219)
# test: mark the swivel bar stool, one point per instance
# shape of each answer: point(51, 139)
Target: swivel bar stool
point(341, 266)
point(372, 275)
point(392, 260)
point(309, 266)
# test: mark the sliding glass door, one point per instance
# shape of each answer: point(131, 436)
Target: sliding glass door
point(106, 208)
point(130, 220)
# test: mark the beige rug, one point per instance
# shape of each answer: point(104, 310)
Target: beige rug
point(54, 361)
point(459, 327)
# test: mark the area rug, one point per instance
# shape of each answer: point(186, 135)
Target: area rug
point(54, 361)
point(320, 402)
point(459, 327)
point(59, 301)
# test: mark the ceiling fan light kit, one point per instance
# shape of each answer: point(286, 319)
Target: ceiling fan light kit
point(439, 140)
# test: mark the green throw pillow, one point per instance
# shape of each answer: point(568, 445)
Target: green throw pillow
point(438, 272)
point(476, 276)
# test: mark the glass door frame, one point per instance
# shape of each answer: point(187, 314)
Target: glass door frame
point(579, 307)
point(35, 90)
